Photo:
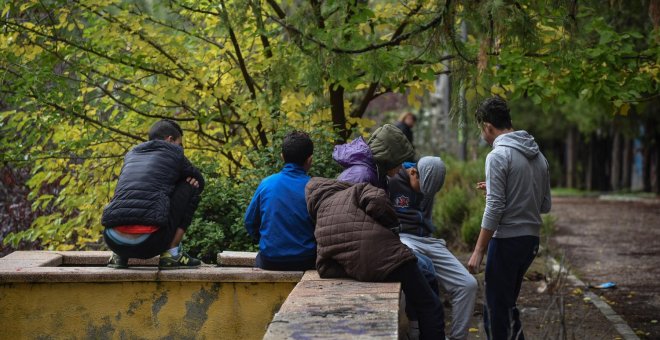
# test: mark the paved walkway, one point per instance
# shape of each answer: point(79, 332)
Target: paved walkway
point(615, 240)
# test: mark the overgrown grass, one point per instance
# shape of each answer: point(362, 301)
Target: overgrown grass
point(570, 192)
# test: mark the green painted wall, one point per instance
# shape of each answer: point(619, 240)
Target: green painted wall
point(129, 310)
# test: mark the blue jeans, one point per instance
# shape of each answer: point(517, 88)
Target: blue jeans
point(508, 260)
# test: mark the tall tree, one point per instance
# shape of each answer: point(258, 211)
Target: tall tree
point(82, 80)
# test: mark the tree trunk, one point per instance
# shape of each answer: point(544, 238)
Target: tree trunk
point(571, 148)
point(337, 110)
point(589, 172)
point(627, 162)
point(615, 168)
point(657, 164)
point(646, 154)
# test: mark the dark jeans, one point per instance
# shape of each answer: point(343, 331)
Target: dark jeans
point(508, 260)
point(160, 240)
point(293, 264)
point(425, 266)
point(426, 303)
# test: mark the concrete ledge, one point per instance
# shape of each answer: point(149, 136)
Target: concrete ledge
point(237, 259)
point(47, 266)
point(103, 274)
point(316, 308)
point(27, 259)
point(337, 308)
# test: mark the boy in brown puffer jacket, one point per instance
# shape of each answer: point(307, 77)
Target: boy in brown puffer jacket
point(354, 240)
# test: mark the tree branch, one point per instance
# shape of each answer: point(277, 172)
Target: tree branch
point(394, 42)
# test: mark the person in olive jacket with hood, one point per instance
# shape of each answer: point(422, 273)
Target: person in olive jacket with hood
point(354, 239)
point(373, 160)
point(156, 196)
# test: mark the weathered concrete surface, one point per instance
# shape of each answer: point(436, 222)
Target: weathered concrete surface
point(42, 266)
point(39, 300)
point(76, 300)
point(237, 258)
point(338, 309)
point(139, 310)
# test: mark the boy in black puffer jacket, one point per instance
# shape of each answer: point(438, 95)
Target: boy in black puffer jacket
point(154, 202)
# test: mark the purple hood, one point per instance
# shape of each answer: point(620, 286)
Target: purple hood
point(358, 162)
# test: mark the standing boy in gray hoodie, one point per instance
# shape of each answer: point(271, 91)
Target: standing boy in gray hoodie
point(517, 192)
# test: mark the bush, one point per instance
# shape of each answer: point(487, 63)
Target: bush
point(450, 210)
point(459, 205)
point(218, 222)
point(471, 226)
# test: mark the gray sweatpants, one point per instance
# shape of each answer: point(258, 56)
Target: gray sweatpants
point(453, 278)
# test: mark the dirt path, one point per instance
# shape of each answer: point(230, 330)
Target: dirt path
point(614, 241)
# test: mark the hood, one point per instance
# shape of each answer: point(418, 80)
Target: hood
point(318, 189)
point(356, 152)
point(157, 144)
point(389, 147)
point(431, 174)
point(519, 140)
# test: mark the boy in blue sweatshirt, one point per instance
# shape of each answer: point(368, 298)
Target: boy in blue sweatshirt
point(277, 215)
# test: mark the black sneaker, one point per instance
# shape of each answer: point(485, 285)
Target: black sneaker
point(117, 262)
point(183, 261)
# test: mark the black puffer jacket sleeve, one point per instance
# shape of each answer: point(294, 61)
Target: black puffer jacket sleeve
point(190, 171)
point(146, 183)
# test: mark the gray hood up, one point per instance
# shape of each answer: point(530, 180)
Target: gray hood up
point(519, 140)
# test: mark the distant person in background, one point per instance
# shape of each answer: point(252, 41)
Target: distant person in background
point(517, 193)
point(406, 122)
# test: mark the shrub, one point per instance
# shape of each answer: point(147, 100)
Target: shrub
point(451, 209)
point(218, 222)
point(471, 226)
point(459, 206)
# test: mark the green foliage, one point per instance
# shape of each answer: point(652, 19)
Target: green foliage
point(81, 81)
point(548, 225)
point(471, 227)
point(219, 222)
point(459, 205)
point(453, 207)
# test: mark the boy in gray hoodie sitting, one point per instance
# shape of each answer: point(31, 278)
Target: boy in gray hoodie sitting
point(412, 192)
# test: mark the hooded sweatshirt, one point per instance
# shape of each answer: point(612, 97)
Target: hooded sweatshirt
point(517, 186)
point(358, 163)
point(414, 209)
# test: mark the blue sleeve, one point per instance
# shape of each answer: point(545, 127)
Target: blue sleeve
point(253, 215)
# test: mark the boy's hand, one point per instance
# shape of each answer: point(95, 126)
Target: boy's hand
point(474, 264)
point(482, 186)
point(192, 182)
